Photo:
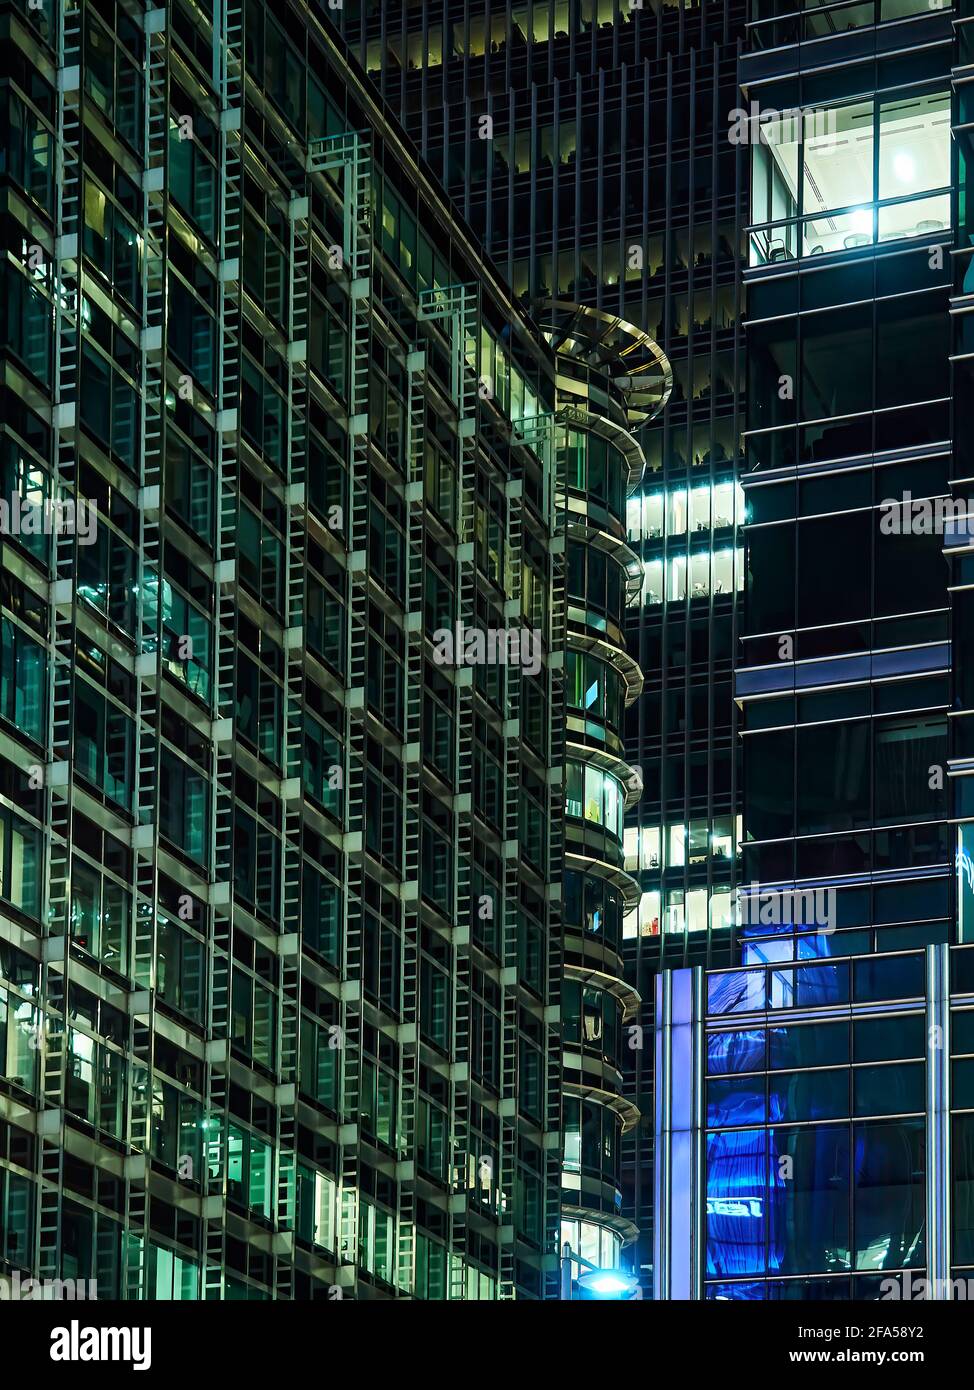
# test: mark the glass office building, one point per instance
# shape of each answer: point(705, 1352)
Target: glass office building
point(844, 666)
point(281, 868)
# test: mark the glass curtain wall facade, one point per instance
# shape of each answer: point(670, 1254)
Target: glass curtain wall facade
point(279, 866)
point(814, 1129)
point(844, 675)
point(823, 1121)
point(586, 143)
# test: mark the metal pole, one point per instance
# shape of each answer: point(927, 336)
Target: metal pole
point(566, 1270)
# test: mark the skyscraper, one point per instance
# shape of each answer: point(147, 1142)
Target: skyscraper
point(282, 846)
point(844, 668)
point(843, 1171)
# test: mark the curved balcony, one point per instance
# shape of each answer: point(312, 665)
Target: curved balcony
point(603, 360)
point(599, 789)
point(597, 588)
point(595, 1121)
point(595, 1009)
point(608, 762)
point(601, 464)
point(597, 695)
point(579, 528)
point(598, 896)
point(576, 416)
point(624, 1111)
point(582, 1218)
point(597, 1242)
point(598, 645)
point(627, 997)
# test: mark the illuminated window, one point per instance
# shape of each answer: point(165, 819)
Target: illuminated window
point(720, 571)
point(700, 574)
point(652, 591)
point(728, 498)
point(595, 796)
point(644, 517)
point(721, 908)
point(676, 586)
point(722, 839)
point(642, 847)
point(630, 841)
point(813, 176)
point(600, 1247)
point(698, 842)
point(645, 920)
point(696, 909)
point(728, 570)
point(675, 915)
point(700, 509)
point(709, 508)
point(676, 513)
